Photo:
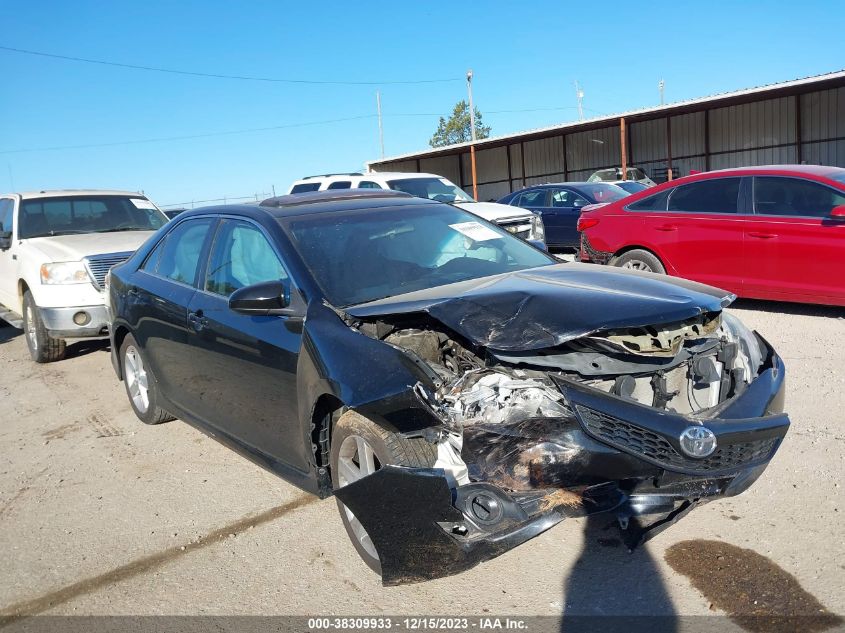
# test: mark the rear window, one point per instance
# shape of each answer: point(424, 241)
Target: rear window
point(715, 195)
point(304, 187)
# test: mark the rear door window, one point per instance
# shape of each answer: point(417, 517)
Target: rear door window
point(794, 197)
point(6, 207)
point(180, 255)
point(657, 202)
point(368, 184)
point(340, 184)
point(304, 187)
point(535, 198)
point(715, 195)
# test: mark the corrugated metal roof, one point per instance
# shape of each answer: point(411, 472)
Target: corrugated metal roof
point(610, 118)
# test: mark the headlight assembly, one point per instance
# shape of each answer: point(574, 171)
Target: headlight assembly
point(538, 230)
point(62, 273)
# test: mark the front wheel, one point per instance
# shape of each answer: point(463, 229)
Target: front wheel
point(43, 348)
point(359, 447)
point(141, 386)
point(639, 259)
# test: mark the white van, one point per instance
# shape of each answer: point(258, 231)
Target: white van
point(520, 222)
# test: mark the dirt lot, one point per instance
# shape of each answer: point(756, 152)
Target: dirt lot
point(100, 514)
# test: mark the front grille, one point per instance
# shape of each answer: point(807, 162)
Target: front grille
point(656, 449)
point(520, 227)
point(99, 265)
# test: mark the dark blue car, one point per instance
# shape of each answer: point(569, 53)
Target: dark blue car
point(560, 206)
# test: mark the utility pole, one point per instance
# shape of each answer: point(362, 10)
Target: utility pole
point(580, 95)
point(380, 127)
point(660, 86)
point(472, 131)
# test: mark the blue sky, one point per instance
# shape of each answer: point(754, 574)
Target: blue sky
point(525, 55)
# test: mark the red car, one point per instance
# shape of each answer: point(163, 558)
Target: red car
point(774, 232)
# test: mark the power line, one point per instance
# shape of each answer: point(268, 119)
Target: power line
point(257, 129)
point(253, 196)
point(173, 71)
point(187, 137)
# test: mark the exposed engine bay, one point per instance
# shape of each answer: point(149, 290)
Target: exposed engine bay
point(619, 399)
point(687, 367)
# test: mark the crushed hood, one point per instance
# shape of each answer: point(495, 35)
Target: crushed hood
point(548, 306)
point(61, 248)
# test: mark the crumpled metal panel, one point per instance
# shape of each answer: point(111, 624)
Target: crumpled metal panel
point(545, 307)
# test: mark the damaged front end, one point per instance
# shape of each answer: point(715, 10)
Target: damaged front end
point(640, 422)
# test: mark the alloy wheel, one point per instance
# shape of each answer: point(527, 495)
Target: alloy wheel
point(357, 460)
point(31, 333)
point(136, 379)
point(636, 264)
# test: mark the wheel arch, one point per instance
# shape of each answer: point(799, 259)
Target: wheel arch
point(119, 335)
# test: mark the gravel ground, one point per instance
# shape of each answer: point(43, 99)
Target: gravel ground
point(100, 514)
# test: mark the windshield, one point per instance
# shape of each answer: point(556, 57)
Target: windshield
point(41, 217)
point(364, 255)
point(438, 189)
point(838, 175)
point(599, 192)
point(634, 173)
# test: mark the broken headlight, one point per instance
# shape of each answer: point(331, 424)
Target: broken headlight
point(501, 397)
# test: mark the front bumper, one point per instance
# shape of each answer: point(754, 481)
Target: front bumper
point(531, 475)
point(60, 321)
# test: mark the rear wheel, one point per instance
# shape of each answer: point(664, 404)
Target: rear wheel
point(141, 386)
point(359, 448)
point(639, 259)
point(43, 348)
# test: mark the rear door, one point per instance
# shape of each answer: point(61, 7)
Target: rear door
point(700, 234)
point(158, 304)
point(794, 249)
point(245, 365)
point(8, 268)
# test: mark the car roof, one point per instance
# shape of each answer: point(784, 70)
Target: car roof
point(56, 193)
point(318, 202)
point(813, 170)
point(375, 175)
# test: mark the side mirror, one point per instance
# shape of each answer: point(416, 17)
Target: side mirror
point(267, 298)
point(5, 240)
point(838, 212)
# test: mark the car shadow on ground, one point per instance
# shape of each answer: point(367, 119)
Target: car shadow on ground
point(783, 307)
point(609, 587)
point(87, 346)
point(8, 333)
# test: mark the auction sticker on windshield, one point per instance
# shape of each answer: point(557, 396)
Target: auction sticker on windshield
point(475, 231)
point(142, 204)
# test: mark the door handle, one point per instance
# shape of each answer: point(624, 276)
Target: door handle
point(197, 320)
point(762, 236)
point(666, 227)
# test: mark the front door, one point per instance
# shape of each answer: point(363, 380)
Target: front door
point(245, 365)
point(794, 249)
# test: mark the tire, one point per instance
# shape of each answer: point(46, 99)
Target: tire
point(639, 259)
point(42, 347)
point(141, 385)
point(388, 449)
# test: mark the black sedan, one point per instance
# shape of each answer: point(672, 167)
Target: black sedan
point(560, 206)
point(456, 389)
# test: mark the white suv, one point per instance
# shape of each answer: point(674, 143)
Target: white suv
point(522, 223)
point(56, 248)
